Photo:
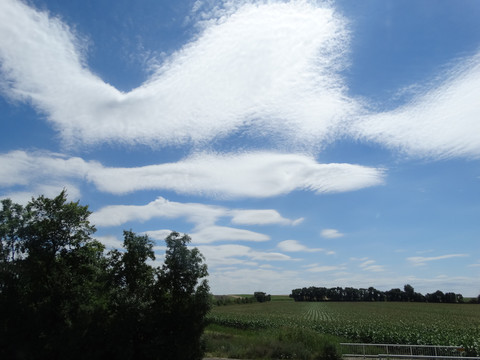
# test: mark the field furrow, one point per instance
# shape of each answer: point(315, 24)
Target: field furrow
point(398, 323)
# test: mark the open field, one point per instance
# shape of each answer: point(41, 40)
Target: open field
point(386, 322)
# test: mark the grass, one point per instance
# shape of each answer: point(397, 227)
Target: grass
point(284, 343)
point(285, 329)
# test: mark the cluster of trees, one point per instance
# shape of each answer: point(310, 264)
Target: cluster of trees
point(258, 296)
point(371, 294)
point(63, 297)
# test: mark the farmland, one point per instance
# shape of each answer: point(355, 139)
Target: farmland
point(384, 322)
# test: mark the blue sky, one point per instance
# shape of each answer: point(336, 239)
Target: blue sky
point(299, 143)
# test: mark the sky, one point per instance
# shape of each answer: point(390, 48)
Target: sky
point(298, 143)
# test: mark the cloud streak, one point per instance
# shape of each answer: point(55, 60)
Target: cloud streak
point(331, 234)
point(265, 69)
point(296, 246)
point(255, 174)
point(422, 260)
point(440, 123)
point(271, 66)
point(204, 218)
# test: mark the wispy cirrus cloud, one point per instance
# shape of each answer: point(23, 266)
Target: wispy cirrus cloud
point(270, 66)
point(331, 233)
point(203, 217)
point(212, 233)
point(324, 268)
point(252, 174)
point(423, 260)
point(296, 246)
point(261, 68)
point(261, 217)
point(115, 215)
point(440, 122)
point(234, 254)
point(371, 265)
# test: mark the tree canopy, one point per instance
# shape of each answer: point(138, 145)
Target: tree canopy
point(313, 293)
point(63, 296)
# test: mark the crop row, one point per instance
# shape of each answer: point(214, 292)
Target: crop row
point(429, 324)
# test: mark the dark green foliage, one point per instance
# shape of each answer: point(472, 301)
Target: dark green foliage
point(313, 293)
point(261, 296)
point(185, 302)
point(62, 297)
point(279, 343)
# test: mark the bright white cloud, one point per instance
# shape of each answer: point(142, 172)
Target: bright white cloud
point(110, 242)
point(211, 234)
point(262, 68)
point(49, 190)
point(441, 123)
point(270, 66)
point(202, 216)
point(254, 174)
point(331, 233)
point(115, 215)
point(422, 260)
point(258, 174)
point(295, 246)
point(159, 235)
point(234, 254)
point(261, 217)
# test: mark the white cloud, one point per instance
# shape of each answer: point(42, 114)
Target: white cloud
point(49, 190)
point(272, 67)
point(325, 268)
point(115, 215)
point(234, 254)
point(211, 234)
point(422, 260)
point(295, 246)
point(441, 123)
point(266, 69)
point(254, 174)
point(110, 242)
point(370, 265)
point(260, 217)
point(159, 235)
point(257, 174)
point(202, 216)
point(331, 233)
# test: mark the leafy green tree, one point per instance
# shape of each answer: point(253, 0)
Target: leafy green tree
point(409, 292)
point(57, 265)
point(62, 297)
point(157, 313)
point(184, 300)
point(132, 283)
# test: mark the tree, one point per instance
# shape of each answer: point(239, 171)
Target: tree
point(409, 292)
point(131, 281)
point(185, 299)
point(62, 297)
point(261, 296)
point(56, 265)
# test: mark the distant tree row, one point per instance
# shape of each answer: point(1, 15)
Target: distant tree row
point(258, 296)
point(371, 294)
point(63, 297)
point(261, 296)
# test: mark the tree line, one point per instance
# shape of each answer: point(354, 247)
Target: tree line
point(62, 296)
point(258, 296)
point(371, 294)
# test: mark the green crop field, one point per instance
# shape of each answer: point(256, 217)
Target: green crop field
point(385, 322)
